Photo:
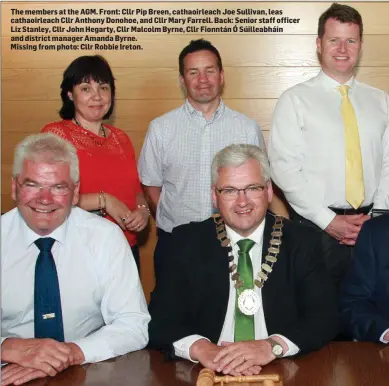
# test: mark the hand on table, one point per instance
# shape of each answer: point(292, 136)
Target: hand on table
point(37, 358)
point(242, 357)
point(206, 353)
point(17, 375)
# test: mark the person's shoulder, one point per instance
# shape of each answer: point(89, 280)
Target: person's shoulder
point(52, 126)
point(196, 228)
point(7, 219)
point(168, 117)
point(91, 224)
point(119, 134)
point(300, 88)
point(246, 120)
point(370, 89)
point(299, 234)
point(60, 128)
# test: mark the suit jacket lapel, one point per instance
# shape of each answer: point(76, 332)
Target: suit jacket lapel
point(269, 289)
point(219, 287)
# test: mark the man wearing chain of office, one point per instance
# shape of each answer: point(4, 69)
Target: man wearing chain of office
point(245, 286)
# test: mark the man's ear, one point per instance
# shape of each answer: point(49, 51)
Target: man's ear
point(76, 194)
point(222, 77)
point(269, 191)
point(214, 198)
point(13, 188)
point(318, 45)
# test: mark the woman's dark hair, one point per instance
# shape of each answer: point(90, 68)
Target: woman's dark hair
point(84, 69)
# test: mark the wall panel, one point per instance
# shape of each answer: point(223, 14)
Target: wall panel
point(258, 68)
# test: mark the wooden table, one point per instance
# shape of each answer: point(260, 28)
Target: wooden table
point(337, 364)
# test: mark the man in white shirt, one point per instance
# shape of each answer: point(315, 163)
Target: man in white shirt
point(243, 287)
point(70, 288)
point(174, 164)
point(313, 154)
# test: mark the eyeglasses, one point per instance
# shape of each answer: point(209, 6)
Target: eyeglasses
point(33, 188)
point(230, 194)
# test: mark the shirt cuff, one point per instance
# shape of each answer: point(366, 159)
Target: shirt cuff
point(382, 337)
point(182, 346)
point(292, 348)
point(94, 350)
point(323, 218)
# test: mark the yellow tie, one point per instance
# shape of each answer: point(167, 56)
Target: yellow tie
point(355, 189)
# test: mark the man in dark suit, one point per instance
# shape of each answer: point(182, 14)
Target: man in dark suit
point(365, 291)
point(244, 286)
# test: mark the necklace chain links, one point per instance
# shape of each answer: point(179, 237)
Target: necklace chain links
point(270, 257)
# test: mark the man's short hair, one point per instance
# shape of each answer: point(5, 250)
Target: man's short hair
point(236, 155)
point(195, 46)
point(46, 147)
point(342, 13)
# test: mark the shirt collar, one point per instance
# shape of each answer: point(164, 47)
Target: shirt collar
point(256, 236)
point(29, 236)
point(193, 112)
point(331, 84)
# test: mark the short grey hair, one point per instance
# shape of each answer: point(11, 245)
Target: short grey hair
point(236, 155)
point(46, 147)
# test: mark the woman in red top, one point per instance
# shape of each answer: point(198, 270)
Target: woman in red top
point(109, 181)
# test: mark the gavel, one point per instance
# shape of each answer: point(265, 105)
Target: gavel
point(207, 378)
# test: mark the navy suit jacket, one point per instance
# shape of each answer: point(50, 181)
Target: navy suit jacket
point(365, 291)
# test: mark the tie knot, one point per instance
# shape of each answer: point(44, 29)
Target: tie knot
point(45, 244)
point(344, 90)
point(245, 245)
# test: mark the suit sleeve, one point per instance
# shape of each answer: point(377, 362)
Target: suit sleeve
point(318, 321)
point(170, 321)
point(359, 312)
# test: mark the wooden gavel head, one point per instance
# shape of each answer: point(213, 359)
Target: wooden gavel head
point(205, 378)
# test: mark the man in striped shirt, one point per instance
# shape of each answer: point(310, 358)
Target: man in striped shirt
point(175, 162)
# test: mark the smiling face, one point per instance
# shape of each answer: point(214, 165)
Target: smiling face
point(92, 100)
point(202, 78)
point(339, 49)
point(243, 215)
point(42, 211)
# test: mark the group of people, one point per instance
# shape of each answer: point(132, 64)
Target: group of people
point(237, 285)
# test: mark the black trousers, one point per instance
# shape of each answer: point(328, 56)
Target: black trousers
point(337, 257)
point(161, 252)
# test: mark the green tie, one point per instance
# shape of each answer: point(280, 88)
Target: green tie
point(244, 324)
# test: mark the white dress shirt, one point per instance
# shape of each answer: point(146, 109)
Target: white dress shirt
point(307, 149)
point(177, 154)
point(182, 346)
point(103, 306)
